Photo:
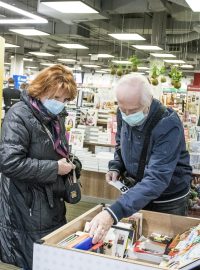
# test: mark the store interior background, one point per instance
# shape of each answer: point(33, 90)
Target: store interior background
point(171, 25)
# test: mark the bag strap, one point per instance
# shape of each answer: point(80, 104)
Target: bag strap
point(147, 130)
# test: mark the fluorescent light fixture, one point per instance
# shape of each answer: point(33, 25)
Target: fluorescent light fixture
point(140, 73)
point(8, 64)
point(101, 71)
point(91, 66)
point(72, 46)
point(28, 59)
point(163, 55)
point(125, 36)
point(31, 17)
point(41, 54)
point(104, 55)
point(8, 45)
point(66, 60)
point(187, 66)
point(147, 47)
point(123, 62)
point(174, 61)
point(47, 64)
point(70, 7)
point(143, 68)
point(194, 5)
point(31, 67)
point(106, 69)
point(28, 32)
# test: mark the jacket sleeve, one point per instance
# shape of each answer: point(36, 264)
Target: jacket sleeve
point(117, 163)
point(157, 175)
point(14, 148)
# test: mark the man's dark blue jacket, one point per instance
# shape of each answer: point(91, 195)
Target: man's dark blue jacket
point(167, 174)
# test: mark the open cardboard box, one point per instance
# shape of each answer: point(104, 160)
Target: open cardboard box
point(47, 256)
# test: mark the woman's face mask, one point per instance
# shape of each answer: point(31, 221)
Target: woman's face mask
point(135, 119)
point(54, 106)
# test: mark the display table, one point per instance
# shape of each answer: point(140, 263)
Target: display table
point(48, 256)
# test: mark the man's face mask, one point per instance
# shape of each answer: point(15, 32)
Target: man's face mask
point(135, 119)
point(54, 106)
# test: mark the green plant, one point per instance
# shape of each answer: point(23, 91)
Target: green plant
point(112, 70)
point(119, 71)
point(176, 75)
point(134, 63)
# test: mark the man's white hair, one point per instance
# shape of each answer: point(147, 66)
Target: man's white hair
point(141, 84)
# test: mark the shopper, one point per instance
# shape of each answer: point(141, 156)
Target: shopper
point(10, 94)
point(33, 165)
point(166, 177)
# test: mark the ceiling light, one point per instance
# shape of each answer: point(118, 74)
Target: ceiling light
point(72, 46)
point(147, 47)
point(187, 66)
point(8, 64)
point(31, 67)
point(31, 17)
point(70, 7)
point(29, 32)
point(101, 71)
point(123, 62)
point(163, 55)
point(106, 69)
point(66, 60)
point(104, 55)
point(123, 36)
point(143, 68)
point(28, 59)
point(47, 64)
point(8, 45)
point(91, 66)
point(174, 61)
point(41, 54)
point(140, 73)
point(194, 5)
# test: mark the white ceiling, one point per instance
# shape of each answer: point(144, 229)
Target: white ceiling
point(170, 24)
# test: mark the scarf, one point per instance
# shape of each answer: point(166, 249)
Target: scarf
point(57, 129)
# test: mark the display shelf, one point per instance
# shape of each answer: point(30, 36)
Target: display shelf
point(97, 144)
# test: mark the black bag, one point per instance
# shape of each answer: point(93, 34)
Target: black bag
point(72, 188)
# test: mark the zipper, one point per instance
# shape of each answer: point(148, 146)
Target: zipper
point(32, 202)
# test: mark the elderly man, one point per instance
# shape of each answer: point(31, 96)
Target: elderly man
point(151, 150)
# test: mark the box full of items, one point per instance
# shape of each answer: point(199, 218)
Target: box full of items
point(146, 240)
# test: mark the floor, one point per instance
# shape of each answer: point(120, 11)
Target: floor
point(73, 212)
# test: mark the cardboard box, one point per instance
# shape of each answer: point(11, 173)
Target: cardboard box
point(47, 256)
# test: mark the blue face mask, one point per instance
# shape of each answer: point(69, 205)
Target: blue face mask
point(54, 106)
point(134, 119)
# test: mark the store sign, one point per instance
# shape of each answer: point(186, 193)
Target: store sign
point(18, 80)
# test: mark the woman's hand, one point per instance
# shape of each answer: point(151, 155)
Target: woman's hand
point(64, 167)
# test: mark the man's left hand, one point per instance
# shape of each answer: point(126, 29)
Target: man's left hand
point(99, 226)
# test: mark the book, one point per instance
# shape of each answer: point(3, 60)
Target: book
point(76, 138)
point(88, 117)
point(70, 121)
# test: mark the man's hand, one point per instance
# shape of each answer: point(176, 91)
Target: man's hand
point(112, 176)
point(99, 226)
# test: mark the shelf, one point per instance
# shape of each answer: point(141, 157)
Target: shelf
point(99, 144)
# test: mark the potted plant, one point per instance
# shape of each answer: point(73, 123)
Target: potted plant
point(134, 63)
point(154, 75)
point(162, 73)
point(176, 75)
point(119, 71)
point(112, 70)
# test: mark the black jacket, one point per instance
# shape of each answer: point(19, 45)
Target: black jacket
point(31, 204)
point(10, 96)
